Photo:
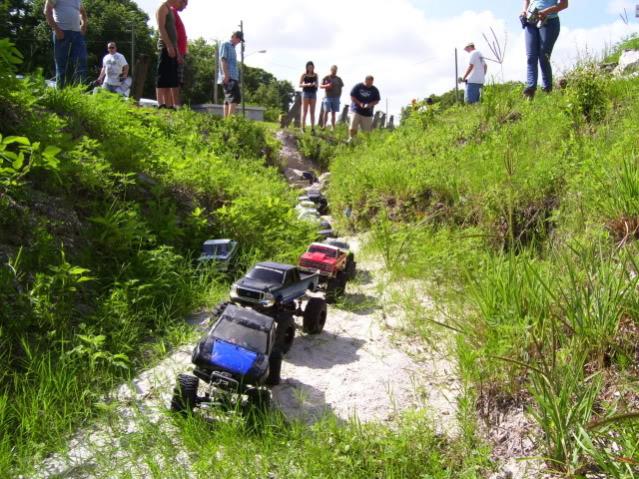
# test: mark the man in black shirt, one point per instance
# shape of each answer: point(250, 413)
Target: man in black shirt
point(364, 97)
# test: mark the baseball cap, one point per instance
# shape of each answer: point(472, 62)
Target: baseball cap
point(239, 35)
point(470, 45)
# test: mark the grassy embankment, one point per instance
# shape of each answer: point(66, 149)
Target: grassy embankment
point(102, 209)
point(524, 217)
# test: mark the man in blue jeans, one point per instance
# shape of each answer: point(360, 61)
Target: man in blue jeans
point(68, 20)
point(541, 20)
point(475, 75)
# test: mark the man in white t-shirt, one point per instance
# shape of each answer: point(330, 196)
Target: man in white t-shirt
point(115, 69)
point(475, 74)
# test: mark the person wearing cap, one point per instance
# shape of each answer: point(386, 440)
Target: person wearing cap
point(540, 20)
point(364, 97)
point(229, 74)
point(167, 73)
point(115, 69)
point(475, 75)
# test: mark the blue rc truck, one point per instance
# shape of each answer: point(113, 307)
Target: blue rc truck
point(240, 355)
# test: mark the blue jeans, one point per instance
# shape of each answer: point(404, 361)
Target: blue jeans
point(331, 104)
point(539, 45)
point(473, 91)
point(70, 55)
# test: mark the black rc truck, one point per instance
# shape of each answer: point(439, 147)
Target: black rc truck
point(240, 355)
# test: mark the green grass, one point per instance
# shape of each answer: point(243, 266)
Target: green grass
point(103, 207)
point(522, 219)
point(253, 445)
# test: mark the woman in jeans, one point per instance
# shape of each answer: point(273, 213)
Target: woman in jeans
point(542, 31)
point(308, 84)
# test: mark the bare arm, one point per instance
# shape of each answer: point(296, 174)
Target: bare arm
point(302, 83)
point(48, 13)
point(561, 5)
point(225, 69)
point(526, 5)
point(125, 71)
point(84, 20)
point(161, 14)
point(468, 72)
point(102, 74)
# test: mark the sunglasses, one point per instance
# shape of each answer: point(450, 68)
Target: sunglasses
point(111, 48)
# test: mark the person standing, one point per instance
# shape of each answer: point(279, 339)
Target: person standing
point(364, 97)
point(182, 48)
point(167, 73)
point(115, 69)
point(229, 74)
point(540, 19)
point(68, 20)
point(475, 75)
point(333, 86)
point(308, 83)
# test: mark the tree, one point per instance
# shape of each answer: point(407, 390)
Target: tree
point(23, 22)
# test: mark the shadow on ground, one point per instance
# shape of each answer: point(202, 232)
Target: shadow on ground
point(324, 351)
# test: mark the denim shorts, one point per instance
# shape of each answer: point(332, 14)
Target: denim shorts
point(309, 95)
point(331, 104)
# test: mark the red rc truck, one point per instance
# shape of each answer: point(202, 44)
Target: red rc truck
point(336, 265)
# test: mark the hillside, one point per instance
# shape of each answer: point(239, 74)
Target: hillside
point(103, 209)
point(498, 263)
point(524, 218)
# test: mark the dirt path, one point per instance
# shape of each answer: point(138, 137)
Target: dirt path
point(358, 367)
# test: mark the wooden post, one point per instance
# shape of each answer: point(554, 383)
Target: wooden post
point(141, 70)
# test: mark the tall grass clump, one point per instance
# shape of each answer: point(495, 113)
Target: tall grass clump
point(521, 218)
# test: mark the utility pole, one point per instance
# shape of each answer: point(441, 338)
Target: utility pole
point(217, 71)
point(242, 70)
point(456, 78)
point(132, 46)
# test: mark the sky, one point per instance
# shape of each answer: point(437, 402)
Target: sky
point(408, 45)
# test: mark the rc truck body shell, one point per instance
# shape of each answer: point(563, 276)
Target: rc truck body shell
point(238, 346)
point(220, 252)
point(270, 285)
point(329, 260)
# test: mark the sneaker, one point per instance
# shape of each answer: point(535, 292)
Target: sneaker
point(547, 89)
point(529, 92)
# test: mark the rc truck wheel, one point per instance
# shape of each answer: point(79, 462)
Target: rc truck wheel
point(259, 398)
point(184, 394)
point(285, 333)
point(335, 288)
point(274, 369)
point(315, 316)
point(351, 268)
point(218, 310)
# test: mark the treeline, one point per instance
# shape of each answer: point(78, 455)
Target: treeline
point(23, 22)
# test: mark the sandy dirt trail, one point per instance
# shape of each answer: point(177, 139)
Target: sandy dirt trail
point(357, 367)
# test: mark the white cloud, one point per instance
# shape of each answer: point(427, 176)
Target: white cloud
point(410, 54)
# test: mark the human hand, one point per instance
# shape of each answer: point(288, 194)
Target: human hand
point(226, 80)
point(83, 30)
point(59, 34)
point(171, 51)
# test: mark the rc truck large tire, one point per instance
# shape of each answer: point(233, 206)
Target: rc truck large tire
point(274, 369)
point(184, 394)
point(285, 333)
point(218, 310)
point(335, 288)
point(315, 316)
point(259, 398)
point(351, 268)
